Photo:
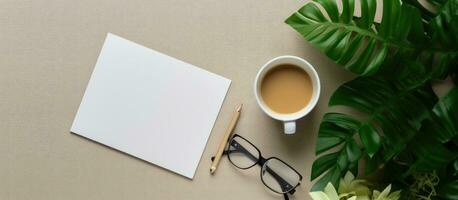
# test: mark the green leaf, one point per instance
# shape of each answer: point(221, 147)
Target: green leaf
point(331, 9)
point(371, 164)
point(347, 11)
point(425, 12)
point(368, 9)
point(353, 151)
point(332, 176)
point(455, 76)
point(397, 108)
point(310, 12)
point(343, 121)
point(445, 25)
point(390, 17)
point(455, 168)
point(449, 191)
point(417, 32)
point(343, 161)
point(445, 124)
point(353, 42)
point(335, 129)
point(430, 153)
point(370, 138)
point(442, 28)
point(430, 146)
point(353, 168)
point(326, 143)
point(323, 163)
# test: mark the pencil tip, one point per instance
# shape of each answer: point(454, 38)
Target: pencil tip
point(239, 107)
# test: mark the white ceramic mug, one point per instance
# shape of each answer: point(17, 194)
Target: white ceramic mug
point(289, 120)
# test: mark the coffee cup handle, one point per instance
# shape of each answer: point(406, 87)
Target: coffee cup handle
point(290, 127)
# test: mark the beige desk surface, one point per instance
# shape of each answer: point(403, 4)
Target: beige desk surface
point(48, 49)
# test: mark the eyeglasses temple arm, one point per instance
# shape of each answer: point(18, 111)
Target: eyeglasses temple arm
point(286, 196)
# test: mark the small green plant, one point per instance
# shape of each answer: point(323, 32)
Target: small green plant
point(405, 128)
point(354, 189)
point(386, 195)
point(350, 187)
point(329, 193)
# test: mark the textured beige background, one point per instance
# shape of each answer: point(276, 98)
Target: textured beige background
point(48, 49)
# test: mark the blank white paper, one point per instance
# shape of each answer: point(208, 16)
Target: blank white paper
point(150, 105)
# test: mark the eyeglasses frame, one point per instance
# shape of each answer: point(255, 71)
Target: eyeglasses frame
point(261, 161)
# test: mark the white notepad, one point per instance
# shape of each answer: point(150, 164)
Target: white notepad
point(150, 105)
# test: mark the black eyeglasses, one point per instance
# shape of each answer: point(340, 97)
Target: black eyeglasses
point(275, 173)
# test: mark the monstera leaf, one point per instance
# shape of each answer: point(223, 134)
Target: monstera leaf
point(364, 46)
point(336, 129)
point(449, 191)
point(408, 122)
point(442, 28)
point(430, 150)
point(360, 44)
point(448, 188)
point(394, 114)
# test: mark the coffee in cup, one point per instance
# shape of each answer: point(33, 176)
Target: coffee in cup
point(287, 88)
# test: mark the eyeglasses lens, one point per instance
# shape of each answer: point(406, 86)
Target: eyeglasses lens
point(242, 154)
point(278, 176)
